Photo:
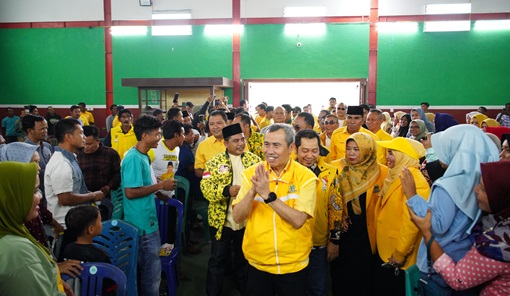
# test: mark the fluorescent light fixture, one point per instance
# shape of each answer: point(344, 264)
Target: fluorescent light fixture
point(223, 29)
point(128, 30)
point(447, 26)
point(492, 25)
point(172, 14)
point(397, 27)
point(458, 8)
point(184, 30)
point(304, 11)
point(305, 29)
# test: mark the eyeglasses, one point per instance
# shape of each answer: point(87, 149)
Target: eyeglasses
point(414, 127)
point(340, 108)
point(331, 122)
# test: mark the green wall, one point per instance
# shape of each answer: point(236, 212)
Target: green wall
point(342, 52)
point(444, 68)
point(64, 66)
point(53, 66)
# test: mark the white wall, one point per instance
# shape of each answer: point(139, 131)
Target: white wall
point(92, 10)
point(19, 11)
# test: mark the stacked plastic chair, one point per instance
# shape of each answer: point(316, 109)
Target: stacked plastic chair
point(93, 275)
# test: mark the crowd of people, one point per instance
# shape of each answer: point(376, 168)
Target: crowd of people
point(338, 202)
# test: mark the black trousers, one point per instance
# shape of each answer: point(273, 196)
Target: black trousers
point(227, 250)
point(262, 283)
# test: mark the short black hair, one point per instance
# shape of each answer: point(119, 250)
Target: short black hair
point(90, 130)
point(269, 108)
point(297, 109)
point(325, 111)
point(29, 121)
point(31, 108)
point(170, 128)
point(308, 134)
point(144, 125)
point(64, 127)
point(219, 112)
point(483, 108)
point(74, 107)
point(111, 106)
point(190, 104)
point(425, 103)
point(332, 98)
point(172, 113)
point(245, 118)
point(79, 218)
point(242, 102)
point(365, 107)
point(308, 118)
point(123, 110)
point(287, 108)
point(82, 104)
point(262, 106)
point(187, 128)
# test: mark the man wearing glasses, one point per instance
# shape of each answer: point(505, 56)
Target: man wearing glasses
point(340, 113)
point(330, 125)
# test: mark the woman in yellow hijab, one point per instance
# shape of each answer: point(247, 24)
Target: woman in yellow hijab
point(26, 267)
point(397, 237)
point(477, 119)
point(360, 181)
point(489, 122)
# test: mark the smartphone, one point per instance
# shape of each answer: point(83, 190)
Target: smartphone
point(201, 117)
point(216, 102)
point(183, 105)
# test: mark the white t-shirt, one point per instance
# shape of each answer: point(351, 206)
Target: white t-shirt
point(165, 163)
point(58, 178)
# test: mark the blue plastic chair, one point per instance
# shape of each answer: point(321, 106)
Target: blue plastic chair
point(412, 278)
point(120, 240)
point(168, 263)
point(93, 275)
point(116, 197)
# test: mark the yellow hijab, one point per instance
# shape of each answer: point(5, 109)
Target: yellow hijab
point(407, 154)
point(480, 117)
point(358, 178)
point(490, 122)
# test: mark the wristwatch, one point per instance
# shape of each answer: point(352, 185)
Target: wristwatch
point(270, 198)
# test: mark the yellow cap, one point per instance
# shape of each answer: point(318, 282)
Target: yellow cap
point(407, 146)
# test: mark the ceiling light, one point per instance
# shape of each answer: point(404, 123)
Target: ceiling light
point(184, 30)
point(447, 26)
point(128, 30)
point(304, 11)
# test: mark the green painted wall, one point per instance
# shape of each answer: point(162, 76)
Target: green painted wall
point(52, 66)
point(64, 66)
point(149, 56)
point(450, 68)
point(342, 52)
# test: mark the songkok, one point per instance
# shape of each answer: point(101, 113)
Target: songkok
point(231, 130)
point(355, 110)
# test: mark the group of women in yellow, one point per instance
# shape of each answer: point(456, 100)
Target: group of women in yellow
point(456, 231)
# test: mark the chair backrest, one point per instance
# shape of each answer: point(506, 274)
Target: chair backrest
point(412, 278)
point(116, 197)
point(120, 240)
point(93, 275)
point(162, 211)
point(183, 184)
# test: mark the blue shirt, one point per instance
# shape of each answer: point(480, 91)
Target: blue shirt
point(449, 225)
point(10, 126)
point(135, 172)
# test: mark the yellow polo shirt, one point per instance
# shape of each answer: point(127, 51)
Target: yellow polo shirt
point(265, 122)
point(207, 149)
point(89, 116)
point(122, 142)
point(270, 243)
point(338, 139)
point(116, 121)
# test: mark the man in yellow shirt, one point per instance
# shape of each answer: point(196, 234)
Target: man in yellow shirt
point(374, 120)
point(122, 138)
point(304, 121)
point(214, 144)
point(328, 211)
point(76, 114)
point(340, 135)
point(85, 113)
point(277, 201)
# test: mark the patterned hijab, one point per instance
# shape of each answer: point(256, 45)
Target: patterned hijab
point(444, 121)
point(16, 197)
point(17, 151)
point(356, 179)
point(463, 148)
point(492, 233)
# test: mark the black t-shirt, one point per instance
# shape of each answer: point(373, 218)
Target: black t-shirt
point(52, 120)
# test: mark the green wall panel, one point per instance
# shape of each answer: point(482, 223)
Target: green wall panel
point(444, 68)
point(150, 56)
point(52, 66)
point(342, 52)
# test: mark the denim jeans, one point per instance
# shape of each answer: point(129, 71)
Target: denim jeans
point(443, 287)
point(318, 272)
point(149, 265)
